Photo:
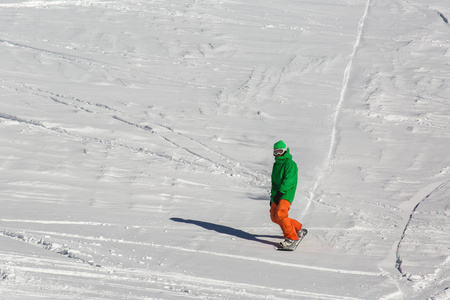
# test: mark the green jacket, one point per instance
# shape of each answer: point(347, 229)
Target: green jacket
point(284, 178)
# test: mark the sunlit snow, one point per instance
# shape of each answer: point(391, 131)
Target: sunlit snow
point(136, 148)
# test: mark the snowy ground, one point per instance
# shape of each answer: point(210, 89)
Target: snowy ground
point(136, 142)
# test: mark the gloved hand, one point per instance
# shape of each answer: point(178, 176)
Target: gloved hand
point(277, 197)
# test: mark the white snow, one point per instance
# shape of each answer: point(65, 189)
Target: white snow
point(136, 142)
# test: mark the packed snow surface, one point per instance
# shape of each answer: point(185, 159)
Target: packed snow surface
point(136, 148)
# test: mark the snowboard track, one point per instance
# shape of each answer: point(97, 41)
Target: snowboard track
point(228, 164)
point(334, 139)
point(181, 285)
point(399, 261)
point(117, 72)
point(214, 159)
point(37, 241)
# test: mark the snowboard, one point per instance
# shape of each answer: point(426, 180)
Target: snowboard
point(294, 246)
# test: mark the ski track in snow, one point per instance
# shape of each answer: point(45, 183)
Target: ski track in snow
point(20, 236)
point(398, 262)
point(158, 282)
point(127, 277)
point(75, 266)
point(80, 138)
point(55, 97)
point(108, 66)
point(190, 143)
point(229, 166)
point(334, 138)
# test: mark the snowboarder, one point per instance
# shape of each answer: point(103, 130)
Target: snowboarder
point(284, 185)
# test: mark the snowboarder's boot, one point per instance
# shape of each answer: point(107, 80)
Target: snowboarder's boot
point(287, 243)
point(301, 233)
point(291, 245)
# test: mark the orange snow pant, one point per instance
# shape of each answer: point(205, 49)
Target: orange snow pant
point(279, 214)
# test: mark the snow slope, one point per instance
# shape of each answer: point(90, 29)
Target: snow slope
point(136, 142)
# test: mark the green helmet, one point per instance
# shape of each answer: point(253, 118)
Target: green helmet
point(279, 145)
point(279, 148)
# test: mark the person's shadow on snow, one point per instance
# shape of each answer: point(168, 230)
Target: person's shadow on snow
point(229, 230)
